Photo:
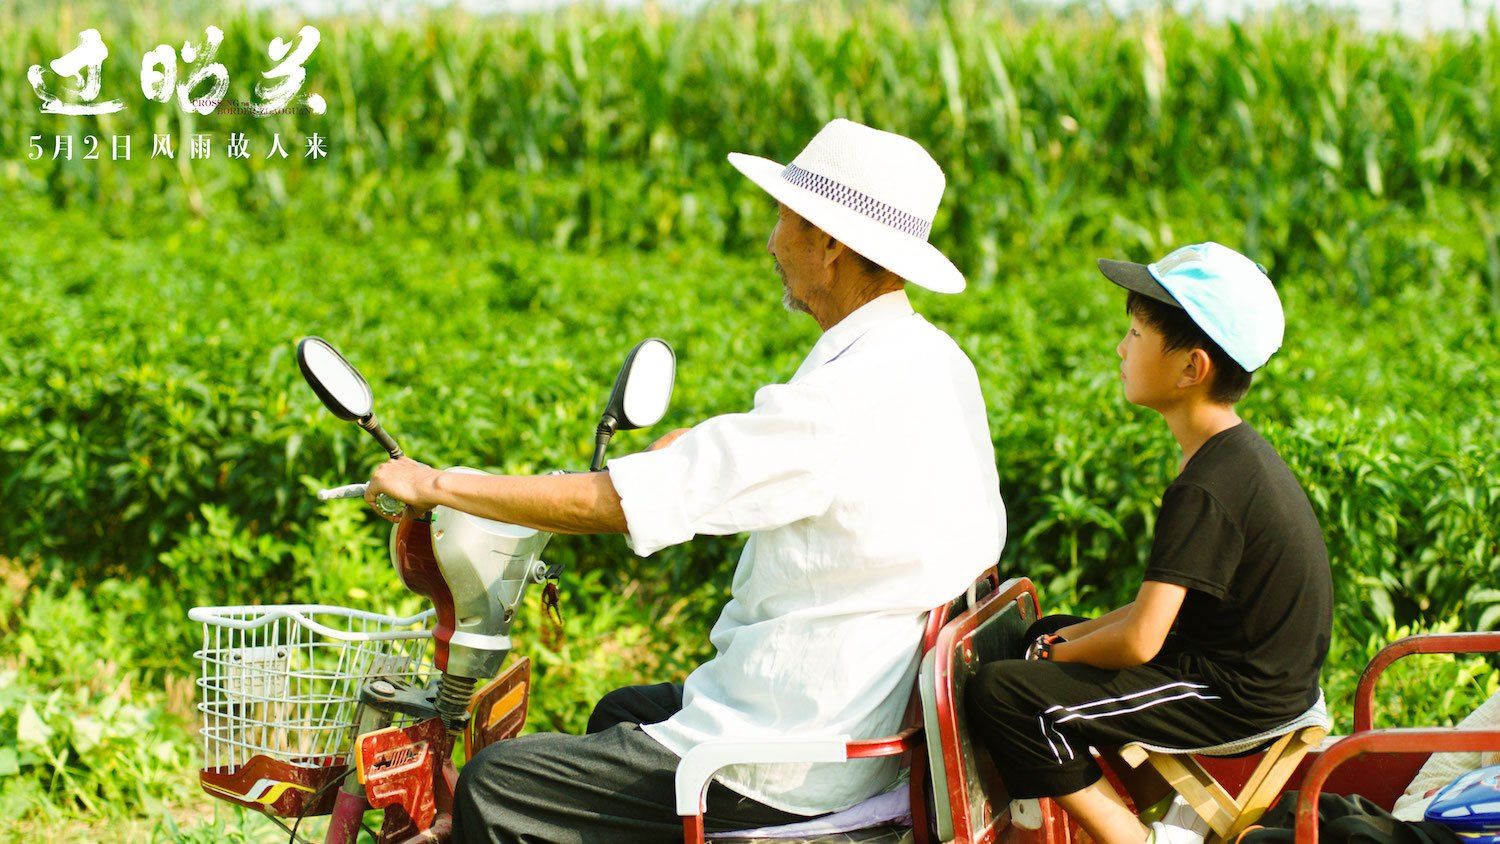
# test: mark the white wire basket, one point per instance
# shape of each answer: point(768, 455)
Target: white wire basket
point(284, 681)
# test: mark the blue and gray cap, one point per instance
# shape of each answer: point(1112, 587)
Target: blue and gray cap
point(1228, 295)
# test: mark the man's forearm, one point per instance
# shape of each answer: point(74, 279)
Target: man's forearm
point(576, 503)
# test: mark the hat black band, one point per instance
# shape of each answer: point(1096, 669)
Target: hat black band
point(869, 206)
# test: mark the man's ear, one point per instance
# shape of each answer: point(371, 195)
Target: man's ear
point(832, 249)
point(1196, 369)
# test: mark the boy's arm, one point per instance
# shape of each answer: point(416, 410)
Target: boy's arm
point(1134, 639)
point(1083, 628)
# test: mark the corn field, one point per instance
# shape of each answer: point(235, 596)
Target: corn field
point(589, 127)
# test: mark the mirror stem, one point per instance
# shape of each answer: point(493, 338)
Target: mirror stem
point(371, 424)
point(602, 435)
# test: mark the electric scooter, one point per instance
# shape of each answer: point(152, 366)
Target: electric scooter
point(324, 710)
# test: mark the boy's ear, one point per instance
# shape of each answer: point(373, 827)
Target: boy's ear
point(1196, 369)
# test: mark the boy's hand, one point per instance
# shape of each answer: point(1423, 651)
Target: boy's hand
point(1041, 648)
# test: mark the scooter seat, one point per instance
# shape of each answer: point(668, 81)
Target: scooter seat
point(882, 819)
point(884, 834)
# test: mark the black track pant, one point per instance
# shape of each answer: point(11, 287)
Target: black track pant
point(1038, 719)
point(614, 784)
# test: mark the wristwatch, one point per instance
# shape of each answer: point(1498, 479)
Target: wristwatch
point(1041, 648)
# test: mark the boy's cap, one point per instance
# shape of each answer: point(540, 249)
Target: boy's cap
point(1228, 295)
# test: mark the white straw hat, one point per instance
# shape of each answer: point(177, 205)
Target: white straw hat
point(876, 192)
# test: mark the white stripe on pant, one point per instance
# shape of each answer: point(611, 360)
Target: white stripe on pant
point(1073, 712)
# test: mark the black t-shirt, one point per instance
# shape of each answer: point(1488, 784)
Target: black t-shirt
point(1237, 530)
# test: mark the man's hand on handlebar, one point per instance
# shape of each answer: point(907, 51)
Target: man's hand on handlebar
point(405, 480)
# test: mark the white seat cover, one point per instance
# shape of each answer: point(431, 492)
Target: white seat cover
point(1316, 716)
point(891, 807)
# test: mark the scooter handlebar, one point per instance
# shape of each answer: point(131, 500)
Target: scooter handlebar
point(346, 491)
point(386, 504)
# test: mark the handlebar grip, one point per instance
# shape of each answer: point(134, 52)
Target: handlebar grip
point(347, 491)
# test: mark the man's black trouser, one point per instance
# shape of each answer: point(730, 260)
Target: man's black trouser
point(1038, 719)
point(614, 784)
point(1345, 820)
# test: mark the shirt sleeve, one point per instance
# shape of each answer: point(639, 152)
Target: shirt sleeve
point(738, 472)
point(1197, 544)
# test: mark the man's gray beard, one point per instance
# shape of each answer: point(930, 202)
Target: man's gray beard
point(792, 303)
point(788, 301)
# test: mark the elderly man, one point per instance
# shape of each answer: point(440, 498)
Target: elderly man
point(867, 483)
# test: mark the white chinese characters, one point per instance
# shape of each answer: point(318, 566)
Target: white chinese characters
point(84, 64)
point(199, 145)
point(289, 69)
point(159, 73)
point(198, 82)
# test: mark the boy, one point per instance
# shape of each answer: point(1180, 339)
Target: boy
point(1227, 635)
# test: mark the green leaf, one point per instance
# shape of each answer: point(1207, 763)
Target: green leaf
point(31, 731)
point(87, 732)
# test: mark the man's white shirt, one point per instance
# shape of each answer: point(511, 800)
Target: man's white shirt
point(869, 489)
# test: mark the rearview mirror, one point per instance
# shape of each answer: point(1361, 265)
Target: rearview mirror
point(336, 382)
point(643, 389)
point(342, 389)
